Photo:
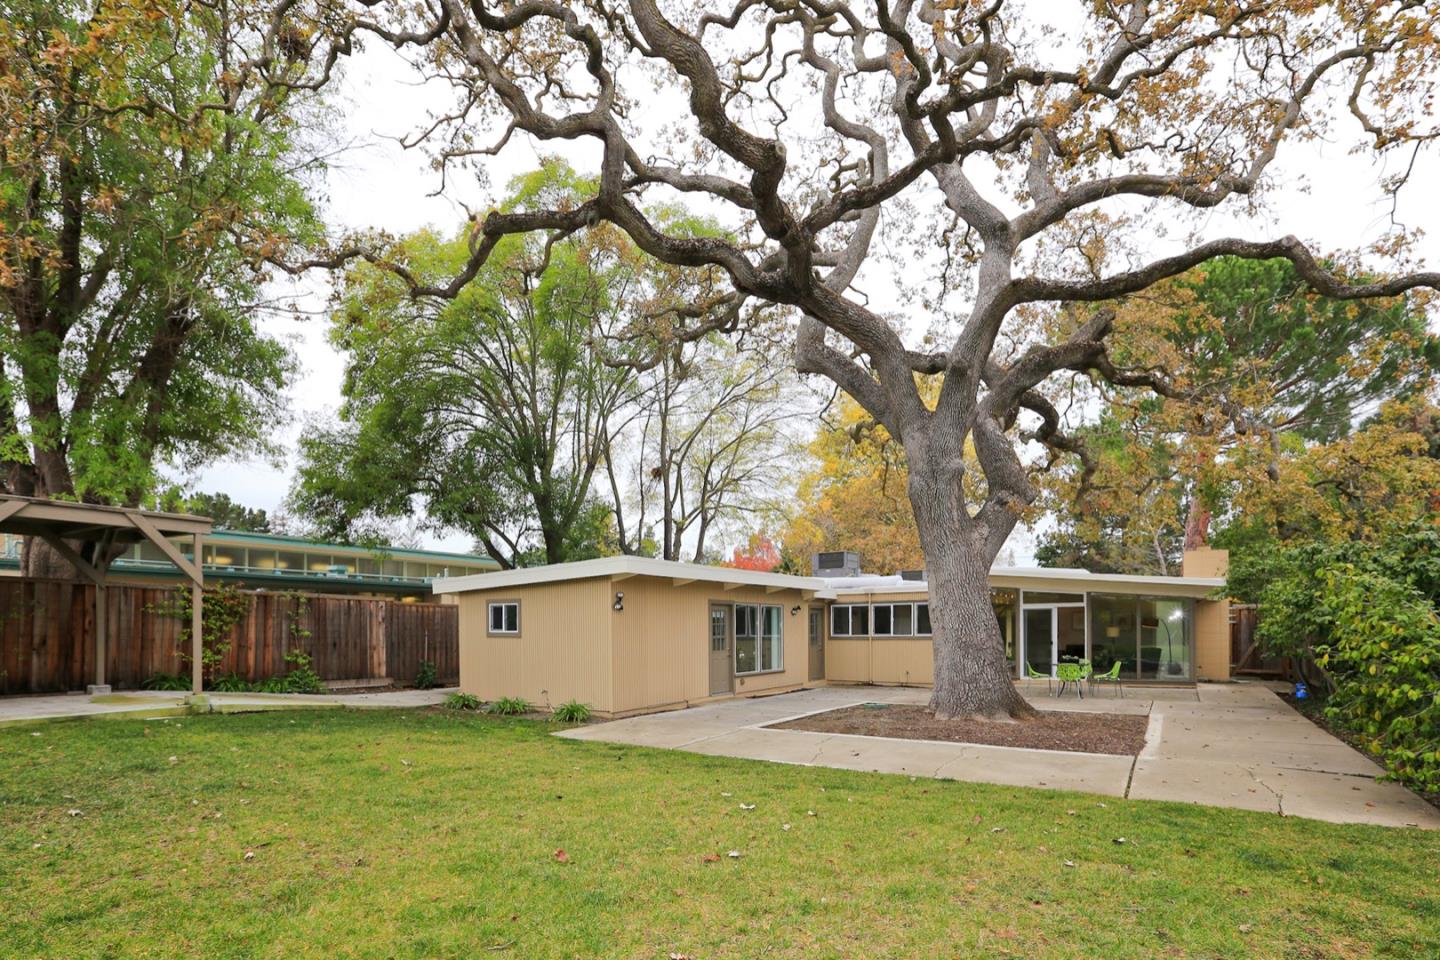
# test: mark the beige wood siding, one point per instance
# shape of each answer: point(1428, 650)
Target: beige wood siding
point(907, 662)
point(847, 661)
point(562, 652)
point(662, 641)
point(1212, 639)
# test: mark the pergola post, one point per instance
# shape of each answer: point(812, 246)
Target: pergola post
point(197, 605)
point(96, 576)
point(102, 645)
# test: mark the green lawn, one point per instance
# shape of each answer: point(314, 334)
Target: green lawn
point(426, 834)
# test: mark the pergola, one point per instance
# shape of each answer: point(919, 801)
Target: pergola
point(59, 521)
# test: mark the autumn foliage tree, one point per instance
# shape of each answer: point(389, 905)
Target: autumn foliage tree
point(759, 553)
point(854, 496)
point(1020, 155)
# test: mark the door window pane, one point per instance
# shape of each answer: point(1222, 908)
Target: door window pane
point(717, 631)
point(1038, 641)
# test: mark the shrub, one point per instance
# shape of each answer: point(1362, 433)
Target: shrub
point(572, 711)
point(462, 701)
point(302, 677)
point(231, 683)
point(510, 707)
point(165, 681)
point(1383, 659)
point(425, 675)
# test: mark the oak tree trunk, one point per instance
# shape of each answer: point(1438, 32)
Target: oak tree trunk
point(973, 678)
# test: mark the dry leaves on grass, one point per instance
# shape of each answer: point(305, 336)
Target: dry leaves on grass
point(561, 856)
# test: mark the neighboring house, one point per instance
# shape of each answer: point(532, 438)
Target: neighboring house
point(272, 562)
point(634, 635)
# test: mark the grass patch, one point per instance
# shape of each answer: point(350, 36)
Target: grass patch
point(440, 834)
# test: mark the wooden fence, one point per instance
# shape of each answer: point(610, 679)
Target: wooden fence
point(47, 636)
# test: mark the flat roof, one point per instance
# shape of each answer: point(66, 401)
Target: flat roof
point(825, 588)
point(221, 535)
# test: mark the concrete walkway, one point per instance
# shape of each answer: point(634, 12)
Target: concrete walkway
point(1237, 745)
point(165, 703)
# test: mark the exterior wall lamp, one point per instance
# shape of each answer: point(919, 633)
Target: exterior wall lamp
point(619, 600)
point(795, 610)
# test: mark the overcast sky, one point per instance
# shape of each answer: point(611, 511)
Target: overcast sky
point(1327, 196)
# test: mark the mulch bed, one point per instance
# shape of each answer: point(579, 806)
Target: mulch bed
point(1115, 733)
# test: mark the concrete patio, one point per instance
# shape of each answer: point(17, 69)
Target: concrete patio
point(1236, 745)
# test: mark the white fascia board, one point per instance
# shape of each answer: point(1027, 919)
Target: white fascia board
point(624, 566)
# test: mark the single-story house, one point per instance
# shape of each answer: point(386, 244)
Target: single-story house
point(631, 635)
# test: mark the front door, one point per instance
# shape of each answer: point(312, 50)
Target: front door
point(722, 662)
point(817, 643)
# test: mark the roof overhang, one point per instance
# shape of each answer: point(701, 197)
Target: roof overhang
point(623, 567)
point(680, 574)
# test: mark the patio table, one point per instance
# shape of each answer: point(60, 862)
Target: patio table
point(1073, 674)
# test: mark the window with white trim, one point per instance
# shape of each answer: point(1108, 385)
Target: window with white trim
point(893, 619)
point(504, 617)
point(850, 620)
point(758, 644)
point(922, 620)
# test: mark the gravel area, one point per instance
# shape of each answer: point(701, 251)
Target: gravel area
point(1112, 733)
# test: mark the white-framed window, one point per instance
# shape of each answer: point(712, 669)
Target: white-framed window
point(922, 620)
point(504, 617)
point(759, 647)
point(850, 620)
point(902, 620)
point(890, 620)
point(882, 619)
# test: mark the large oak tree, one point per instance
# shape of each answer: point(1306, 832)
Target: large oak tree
point(1033, 153)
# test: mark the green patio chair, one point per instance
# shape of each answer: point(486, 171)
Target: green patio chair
point(1071, 674)
point(1111, 676)
point(1032, 674)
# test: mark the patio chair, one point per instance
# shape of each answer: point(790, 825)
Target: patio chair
point(1032, 674)
point(1072, 674)
point(1111, 676)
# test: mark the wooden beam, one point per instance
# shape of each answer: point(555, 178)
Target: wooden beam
point(81, 565)
point(731, 586)
point(616, 578)
point(681, 581)
point(191, 570)
point(9, 508)
point(807, 595)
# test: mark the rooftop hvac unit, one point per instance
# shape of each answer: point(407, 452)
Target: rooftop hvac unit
point(836, 563)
